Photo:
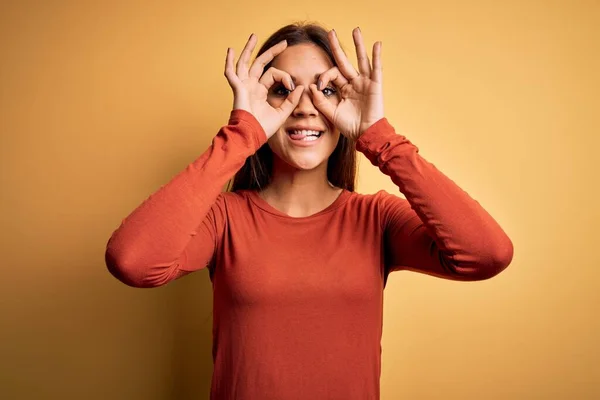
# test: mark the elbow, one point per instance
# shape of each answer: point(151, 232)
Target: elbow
point(502, 257)
point(132, 271)
point(126, 272)
point(495, 262)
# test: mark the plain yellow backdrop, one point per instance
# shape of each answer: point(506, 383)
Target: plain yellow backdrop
point(103, 102)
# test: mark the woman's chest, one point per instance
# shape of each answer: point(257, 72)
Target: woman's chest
point(328, 260)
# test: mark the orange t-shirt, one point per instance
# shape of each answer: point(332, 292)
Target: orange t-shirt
point(298, 302)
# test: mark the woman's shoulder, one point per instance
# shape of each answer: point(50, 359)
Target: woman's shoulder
point(233, 198)
point(381, 202)
point(229, 205)
point(381, 196)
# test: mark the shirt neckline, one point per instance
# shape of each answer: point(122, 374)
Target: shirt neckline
point(265, 206)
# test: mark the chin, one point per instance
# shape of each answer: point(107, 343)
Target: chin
point(305, 163)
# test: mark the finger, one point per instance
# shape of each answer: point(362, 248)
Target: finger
point(291, 102)
point(326, 107)
point(377, 65)
point(364, 65)
point(232, 78)
point(331, 75)
point(276, 75)
point(242, 64)
point(259, 64)
point(340, 57)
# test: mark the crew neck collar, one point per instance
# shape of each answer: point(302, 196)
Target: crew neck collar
point(265, 206)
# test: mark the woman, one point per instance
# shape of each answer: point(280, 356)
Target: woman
point(298, 261)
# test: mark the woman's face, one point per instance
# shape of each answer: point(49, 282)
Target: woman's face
point(306, 139)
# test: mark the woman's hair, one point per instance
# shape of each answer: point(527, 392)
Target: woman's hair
point(341, 166)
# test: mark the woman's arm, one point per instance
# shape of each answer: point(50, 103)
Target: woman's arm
point(439, 229)
point(151, 246)
point(175, 230)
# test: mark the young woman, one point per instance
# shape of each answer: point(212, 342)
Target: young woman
point(298, 260)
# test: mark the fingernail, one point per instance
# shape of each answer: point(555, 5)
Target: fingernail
point(250, 36)
point(358, 27)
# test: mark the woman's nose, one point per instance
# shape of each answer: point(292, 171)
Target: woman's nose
point(305, 105)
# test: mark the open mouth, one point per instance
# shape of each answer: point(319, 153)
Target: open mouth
point(304, 135)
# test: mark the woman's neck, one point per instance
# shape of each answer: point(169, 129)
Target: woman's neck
point(300, 193)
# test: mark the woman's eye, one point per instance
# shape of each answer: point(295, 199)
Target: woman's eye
point(329, 91)
point(281, 91)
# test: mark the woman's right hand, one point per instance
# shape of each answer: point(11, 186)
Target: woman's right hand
point(250, 86)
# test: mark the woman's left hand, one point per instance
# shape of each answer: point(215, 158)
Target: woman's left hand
point(361, 93)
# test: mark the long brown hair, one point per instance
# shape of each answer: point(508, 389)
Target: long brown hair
point(341, 165)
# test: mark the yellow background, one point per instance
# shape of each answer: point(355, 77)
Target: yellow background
point(103, 102)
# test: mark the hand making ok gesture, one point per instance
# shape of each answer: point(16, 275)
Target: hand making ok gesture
point(361, 103)
point(251, 86)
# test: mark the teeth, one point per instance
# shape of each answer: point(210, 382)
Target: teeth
point(306, 132)
point(310, 138)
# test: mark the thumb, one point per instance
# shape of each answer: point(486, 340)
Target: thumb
point(292, 100)
point(321, 103)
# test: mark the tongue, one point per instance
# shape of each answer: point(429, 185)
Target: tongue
point(297, 136)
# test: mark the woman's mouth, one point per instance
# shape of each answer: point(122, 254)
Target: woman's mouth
point(304, 135)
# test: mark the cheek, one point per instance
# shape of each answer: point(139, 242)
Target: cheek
point(276, 141)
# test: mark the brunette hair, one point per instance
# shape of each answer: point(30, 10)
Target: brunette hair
point(341, 165)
